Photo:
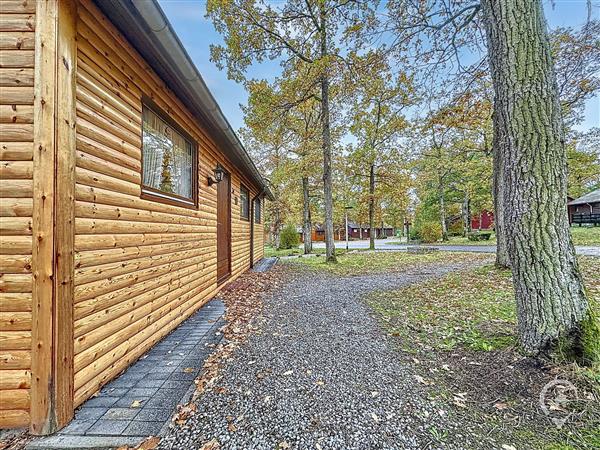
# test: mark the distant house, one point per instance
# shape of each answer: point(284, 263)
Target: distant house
point(585, 209)
point(318, 233)
point(355, 231)
point(360, 231)
point(482, 221)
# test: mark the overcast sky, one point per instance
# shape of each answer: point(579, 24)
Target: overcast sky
point(197, 33)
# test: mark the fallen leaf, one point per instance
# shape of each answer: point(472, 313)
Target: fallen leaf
point(149, 443)
point(189, 369)
point(320, 382)
point(508, 447)
point(421, 380)
point(136, 404)
point(375, 417)
point(283, 445)
point(232, 428)
point(213, 444)
point(500, 406)
point(289, 372)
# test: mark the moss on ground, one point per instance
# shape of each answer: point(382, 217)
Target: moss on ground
point(460, 330)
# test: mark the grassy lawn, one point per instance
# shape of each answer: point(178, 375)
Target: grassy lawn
point(270, 251)
point(460, 331)
point(586, 235)
point(581, 236)
point(364, 262)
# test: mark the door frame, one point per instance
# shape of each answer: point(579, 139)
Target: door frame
point(226, 276)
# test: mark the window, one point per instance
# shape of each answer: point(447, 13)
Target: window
point(244, 203)
point(257, 211)
point(169, 169)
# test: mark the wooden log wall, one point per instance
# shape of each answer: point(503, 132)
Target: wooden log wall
point(17, 61)
point(141, 267)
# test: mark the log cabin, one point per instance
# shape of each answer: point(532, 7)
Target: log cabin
point(126, 199)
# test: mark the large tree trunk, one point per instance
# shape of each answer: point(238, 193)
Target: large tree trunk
point(502, 259)
point(276, 225)
point(327, 184)
point(551, 302)
point(372, 207)
point(442, 211)
point(466, 213)
point(307, 225)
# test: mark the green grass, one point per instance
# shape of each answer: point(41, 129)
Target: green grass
point(271, 251)
point(365, 262)
point(585, 235)
point(581, 236)
point(473, 312)
point(474, 309)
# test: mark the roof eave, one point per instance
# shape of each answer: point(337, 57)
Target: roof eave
point(146, 27)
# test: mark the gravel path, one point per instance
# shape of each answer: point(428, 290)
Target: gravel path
point(321, 374)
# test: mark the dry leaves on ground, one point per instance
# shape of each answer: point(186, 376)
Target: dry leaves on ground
point(244, 301)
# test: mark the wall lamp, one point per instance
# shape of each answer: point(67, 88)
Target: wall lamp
point(219, 174)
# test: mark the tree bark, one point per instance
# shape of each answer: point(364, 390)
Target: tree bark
point(327, 183)
point(442, 210)
point(551, 304)
point(276, 225)
point(466, 213)
point(372, 207)
point(502, 259)
point(307, 225)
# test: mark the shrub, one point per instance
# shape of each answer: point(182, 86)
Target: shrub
point(288, 238)
point(480, 236)
point(456, 228)
point(430, 232)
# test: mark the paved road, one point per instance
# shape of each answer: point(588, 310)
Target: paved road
point(386, 244)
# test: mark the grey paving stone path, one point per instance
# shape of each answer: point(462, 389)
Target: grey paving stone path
point(141, 401)
point(264, 265)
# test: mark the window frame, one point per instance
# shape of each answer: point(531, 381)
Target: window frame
point(248, 202)
point(153, 194)
point(257, 217)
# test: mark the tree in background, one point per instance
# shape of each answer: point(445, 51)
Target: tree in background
point(377, 121)
point(309, 31)
point(286, 105)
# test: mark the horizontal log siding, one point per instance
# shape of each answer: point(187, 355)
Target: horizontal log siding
point(141, 267)
point(259, 241)
point(17, 47)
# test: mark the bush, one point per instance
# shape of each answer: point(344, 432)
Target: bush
point(288, 238)
point(430, 232)
point(480, 236)
point(456, 228)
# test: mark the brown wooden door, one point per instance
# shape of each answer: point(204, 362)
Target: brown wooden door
point(252, 233)
point(223, 228)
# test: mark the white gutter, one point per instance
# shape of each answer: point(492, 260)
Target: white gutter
point(188, 76)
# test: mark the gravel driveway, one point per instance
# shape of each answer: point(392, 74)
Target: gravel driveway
point(321, 374)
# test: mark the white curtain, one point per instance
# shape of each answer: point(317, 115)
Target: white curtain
point(167, 157)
